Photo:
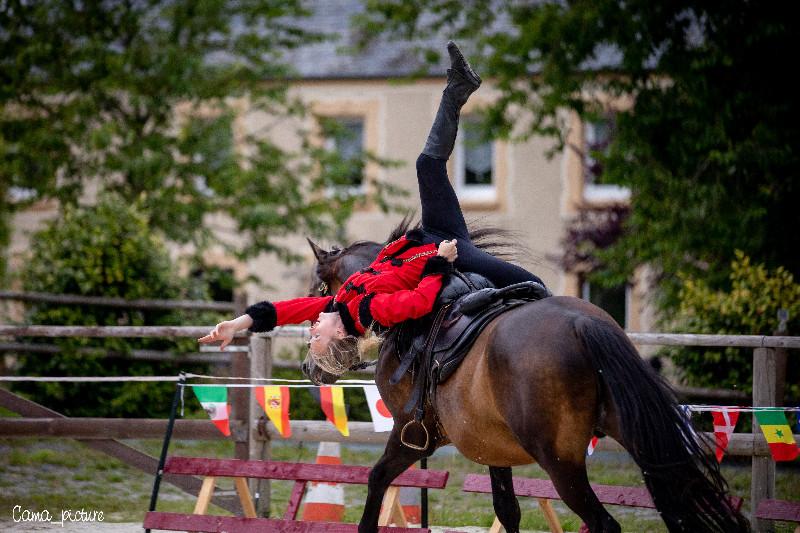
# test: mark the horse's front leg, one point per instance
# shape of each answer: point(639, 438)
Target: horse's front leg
point(395, 460)
point(506, 506)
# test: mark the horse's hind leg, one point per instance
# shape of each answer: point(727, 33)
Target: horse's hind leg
point(395, 460)
point(506, 506)
point(572, 484)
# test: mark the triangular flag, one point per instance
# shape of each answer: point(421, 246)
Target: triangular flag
point(778, 434)
point(381, 417)
point(724, 423)
point(275, 402)
point(592, 445)
point(331, 399)
point(215, 401)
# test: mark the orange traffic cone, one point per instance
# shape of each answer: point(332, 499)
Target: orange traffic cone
point(324, 502)
point(410, 502)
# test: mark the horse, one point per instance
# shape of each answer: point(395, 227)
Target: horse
point(538, 383)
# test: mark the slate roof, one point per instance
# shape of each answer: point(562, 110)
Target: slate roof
point(383, 58)
point(330, 59)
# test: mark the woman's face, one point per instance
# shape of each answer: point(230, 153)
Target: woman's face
point(327, 327)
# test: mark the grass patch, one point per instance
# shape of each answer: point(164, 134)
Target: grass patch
point(56, 475)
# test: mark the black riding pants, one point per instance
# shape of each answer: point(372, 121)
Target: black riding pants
point(442, 219)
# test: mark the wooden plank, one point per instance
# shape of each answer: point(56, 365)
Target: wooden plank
point(740, 341)
point(235, 524)
point(389, 509)
point(543, 488)
point(123, 452)
point(244, 497)
point(105, 301)
point(741, 444)
point(659, 339)
point(104, 428)
point(298, 490)
point(204, 498)
point(137, 331)
point(432, 479)
point(550, 515)
point(788, 511)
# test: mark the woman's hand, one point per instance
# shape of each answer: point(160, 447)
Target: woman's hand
point(447, 249)
point(224, 331)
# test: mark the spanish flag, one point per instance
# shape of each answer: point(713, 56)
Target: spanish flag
point(778, 434)
point(275, 402)
point(331, 399)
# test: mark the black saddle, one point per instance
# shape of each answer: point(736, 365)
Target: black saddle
point(466, 305)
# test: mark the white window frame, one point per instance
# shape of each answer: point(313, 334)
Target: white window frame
point(586, 293)
point(473, 193)
point(600, 193)
point(330, 144)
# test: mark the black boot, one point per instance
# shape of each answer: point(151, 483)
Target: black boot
point(462, 81)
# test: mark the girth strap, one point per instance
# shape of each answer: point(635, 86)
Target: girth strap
point(421, 384)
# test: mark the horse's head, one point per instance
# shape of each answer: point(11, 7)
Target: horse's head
point(334, 266)
point(332, 269)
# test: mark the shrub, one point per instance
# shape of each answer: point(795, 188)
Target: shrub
point(105, 250)
point(749, 307)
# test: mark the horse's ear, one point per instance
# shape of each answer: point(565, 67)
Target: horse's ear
point(319, 253)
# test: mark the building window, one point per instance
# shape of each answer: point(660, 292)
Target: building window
point(474, 162)
point(345, 136)
point(614, 301)
point(597, 137)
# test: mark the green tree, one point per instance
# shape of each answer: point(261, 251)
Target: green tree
point(106, 250)
point(708, 143)
point(749, 307)
point(142, 98)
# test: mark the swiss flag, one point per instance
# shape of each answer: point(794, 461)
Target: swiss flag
point(381, 417)
point(724, 424)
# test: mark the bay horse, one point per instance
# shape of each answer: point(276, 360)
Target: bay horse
point(539, 381)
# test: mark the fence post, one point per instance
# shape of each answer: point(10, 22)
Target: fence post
point(762, 485)
point(240, 367)
point(260, 367)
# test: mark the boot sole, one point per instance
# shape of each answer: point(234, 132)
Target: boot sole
point(468, 73)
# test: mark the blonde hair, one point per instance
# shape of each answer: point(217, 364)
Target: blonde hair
point(342, 353)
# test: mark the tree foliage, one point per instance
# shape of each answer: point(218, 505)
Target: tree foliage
point(749, 307)
point(706, 123)
point(145, 99)
point(106, 250)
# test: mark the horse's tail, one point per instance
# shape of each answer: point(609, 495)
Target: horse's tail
point(687, 487)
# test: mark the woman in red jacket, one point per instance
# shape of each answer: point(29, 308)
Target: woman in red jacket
point(404, 280)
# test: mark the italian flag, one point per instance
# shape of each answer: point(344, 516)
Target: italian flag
point(778, 434)
point(275, 402)
point(215, 402)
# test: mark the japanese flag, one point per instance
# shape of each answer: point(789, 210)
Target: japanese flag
point(381, 417)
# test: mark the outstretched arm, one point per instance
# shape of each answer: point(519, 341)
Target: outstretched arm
point(264, 316)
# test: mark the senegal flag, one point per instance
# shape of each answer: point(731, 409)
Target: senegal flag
point(275, 402)
point(215, 401)
point(331, 399)
point(778, 435)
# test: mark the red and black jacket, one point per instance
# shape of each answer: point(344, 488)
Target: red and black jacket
point(401, 284)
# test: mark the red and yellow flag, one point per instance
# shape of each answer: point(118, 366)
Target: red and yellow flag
point(275, 402)
point(332, 401)
point(778, 434)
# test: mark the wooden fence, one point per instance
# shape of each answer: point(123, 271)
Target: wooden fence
point(252, 357)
